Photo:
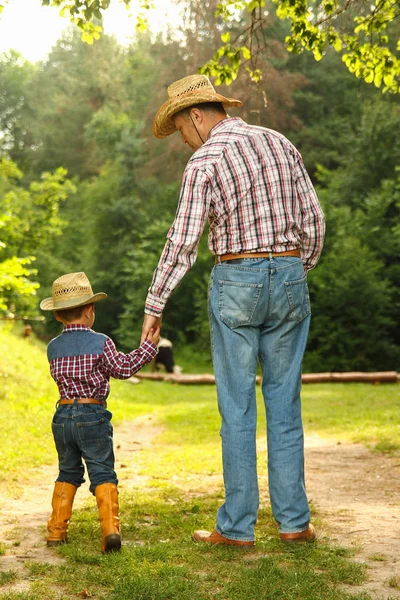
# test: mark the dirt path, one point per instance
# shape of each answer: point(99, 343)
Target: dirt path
point(357, 494)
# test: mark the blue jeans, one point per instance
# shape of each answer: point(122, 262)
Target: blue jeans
point(260, 309)
point(84, 431)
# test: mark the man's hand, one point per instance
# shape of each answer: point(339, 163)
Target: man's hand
point(154, 336)
point(150, 322)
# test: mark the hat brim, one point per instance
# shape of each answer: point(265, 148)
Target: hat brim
point(48, 303)
point(164, 125)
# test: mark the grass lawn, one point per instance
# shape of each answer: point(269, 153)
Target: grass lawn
point(158, 560)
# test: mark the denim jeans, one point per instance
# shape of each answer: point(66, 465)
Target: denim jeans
point(259, 309)
point(84, 431)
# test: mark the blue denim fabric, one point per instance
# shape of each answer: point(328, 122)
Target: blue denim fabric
point(84, 431)
point(260, 309)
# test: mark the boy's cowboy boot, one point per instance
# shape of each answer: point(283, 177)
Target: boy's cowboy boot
point(107, 502)
point(63, 498)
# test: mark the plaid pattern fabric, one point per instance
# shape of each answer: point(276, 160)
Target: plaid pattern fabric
point(87, 375)
point(251, 184)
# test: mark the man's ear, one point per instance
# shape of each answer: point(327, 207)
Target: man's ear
point(197, 115)
point(57, 317)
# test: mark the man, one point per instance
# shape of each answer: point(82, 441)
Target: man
point(266, 231)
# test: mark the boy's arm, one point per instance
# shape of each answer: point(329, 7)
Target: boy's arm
point(123, 366)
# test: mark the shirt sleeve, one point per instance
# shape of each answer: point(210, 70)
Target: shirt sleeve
point(180, 251)
point(313, 219)
point(122, 366)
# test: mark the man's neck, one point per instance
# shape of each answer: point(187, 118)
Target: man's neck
point(213, 122)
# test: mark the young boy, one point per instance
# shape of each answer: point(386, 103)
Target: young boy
point(81, 363)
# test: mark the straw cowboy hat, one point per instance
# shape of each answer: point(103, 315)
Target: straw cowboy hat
point(191, 90)
point(71, 290)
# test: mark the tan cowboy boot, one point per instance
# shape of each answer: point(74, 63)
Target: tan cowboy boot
point(107, 502)
point(63, 498)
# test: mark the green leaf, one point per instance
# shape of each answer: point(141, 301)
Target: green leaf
point(246, 53)
point(388, 79)
point(378, 79)
point(369, 76)
point(226, 37)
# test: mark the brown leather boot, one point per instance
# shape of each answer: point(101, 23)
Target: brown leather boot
point(107, 502)
point(216, 538)
point(63, 498)
point(308, 535)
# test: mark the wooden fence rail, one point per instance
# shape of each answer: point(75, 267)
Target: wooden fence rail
point(207, 378)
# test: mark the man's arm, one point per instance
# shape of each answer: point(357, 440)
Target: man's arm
point(180, 251)
point(313, 219)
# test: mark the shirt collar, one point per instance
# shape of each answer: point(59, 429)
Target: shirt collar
point(75, 327)
point(223, 123)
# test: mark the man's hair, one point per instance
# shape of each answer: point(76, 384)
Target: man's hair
point(70, 314)
point(210, 107)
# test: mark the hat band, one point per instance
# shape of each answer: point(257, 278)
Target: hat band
point(76, 301)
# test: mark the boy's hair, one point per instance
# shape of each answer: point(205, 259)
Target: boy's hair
point(70, 314)
point(213, 107)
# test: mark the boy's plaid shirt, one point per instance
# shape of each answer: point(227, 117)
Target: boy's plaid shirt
point(251, 184)
point(83, 374)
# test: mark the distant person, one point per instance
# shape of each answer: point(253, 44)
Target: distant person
point(81, 364)
point(165, 357)
point(266, 232)
point(27, 331)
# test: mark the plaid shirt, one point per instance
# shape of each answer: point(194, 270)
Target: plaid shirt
point(251, 184)
point(81, 364)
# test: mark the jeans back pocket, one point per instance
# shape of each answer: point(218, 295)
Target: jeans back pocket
point(95, 438)
point(238, 302)
point(59, 438)
point(298, 298)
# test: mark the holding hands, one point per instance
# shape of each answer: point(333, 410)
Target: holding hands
point(151, 324)
point(154, 335)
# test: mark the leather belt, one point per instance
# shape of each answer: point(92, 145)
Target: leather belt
point(223, 257)
point(80, 401)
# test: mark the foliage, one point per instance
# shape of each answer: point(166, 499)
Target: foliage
point(364, 40)
point(358, 277)
point(361, 33)
point(75, 80)
point(15, 74)
point(14, 281)
point(28, 221)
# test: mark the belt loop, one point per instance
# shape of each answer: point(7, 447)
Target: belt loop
point(218, 259)
point(271, 256)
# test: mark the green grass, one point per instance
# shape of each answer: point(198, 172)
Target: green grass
point(159, 561)
point(7, 577)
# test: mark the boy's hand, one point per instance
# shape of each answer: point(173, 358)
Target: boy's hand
point(154, 335)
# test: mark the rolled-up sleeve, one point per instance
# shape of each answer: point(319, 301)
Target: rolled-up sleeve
point(180, 250)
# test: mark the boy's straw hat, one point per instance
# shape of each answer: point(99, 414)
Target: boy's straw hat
point(71, 290)
point(191, 90)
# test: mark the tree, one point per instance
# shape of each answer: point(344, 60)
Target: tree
point(15, 75)
point(354, 290)
point(28, 221)
point(360, 31)
point(75, 79)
